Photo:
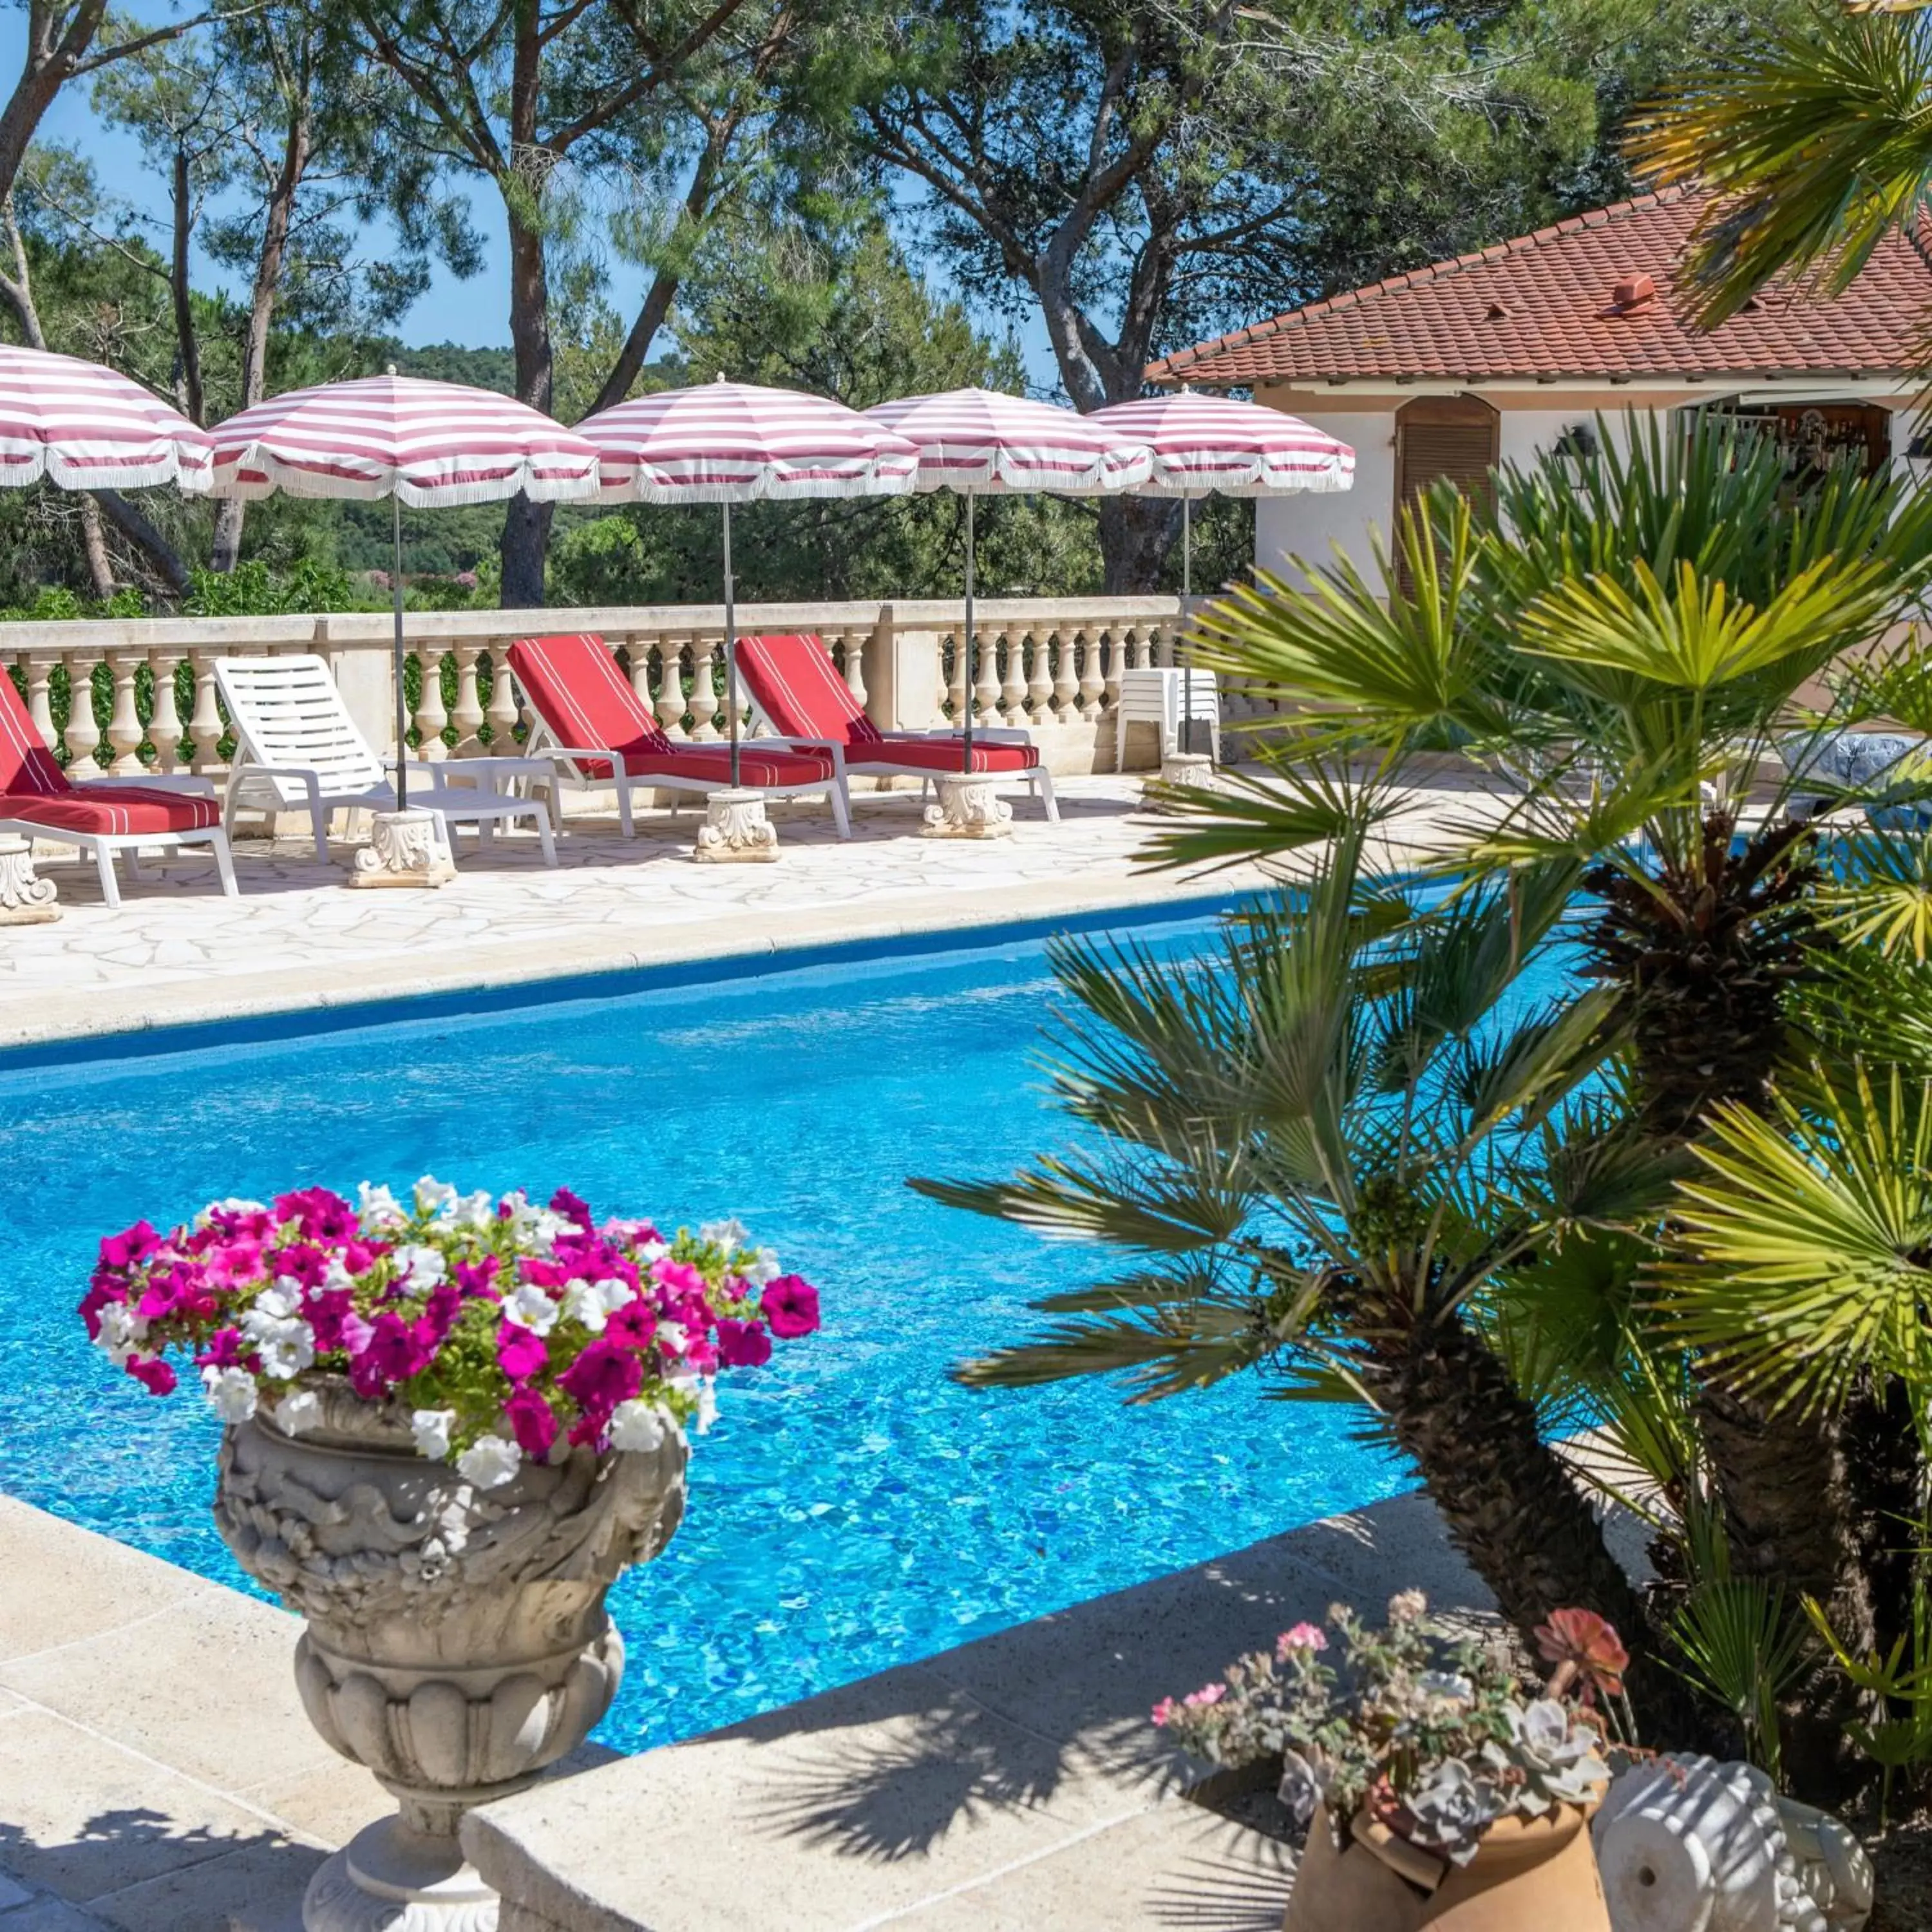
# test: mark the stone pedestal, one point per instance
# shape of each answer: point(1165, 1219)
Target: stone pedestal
point(405, 848)
point(968, 808)
point(736, 831)
point(456, 1641)
point(25, 899)
point(1180, 772)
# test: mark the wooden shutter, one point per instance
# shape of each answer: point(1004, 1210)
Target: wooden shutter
point(1437, 437)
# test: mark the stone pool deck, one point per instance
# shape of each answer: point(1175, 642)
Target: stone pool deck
point(157, 1775)
point(177, 953)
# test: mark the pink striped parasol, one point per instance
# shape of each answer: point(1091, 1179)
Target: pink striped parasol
point(738, 442)
point(86, 428)
point(1210, 445)
point(432, 445)
point(982, 442)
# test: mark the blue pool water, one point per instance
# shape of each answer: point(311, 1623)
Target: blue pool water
point(853, 1509)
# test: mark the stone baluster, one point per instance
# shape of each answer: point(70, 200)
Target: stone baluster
point(468, 716)
point(1164, 653)
point(955, 679)
point(638, 662)
point(704, 713)
point(670, 687)
point(852, 646)
point(124, 726)
point(1039, 679)
point(1013, 679)
point(986, 686)
point(164, 728)
point(83, 729)
point(204, 723)
point(430, 716)
point(1067, 676)
point(39, 667)
point(1093, 676)
point(502, 711)
point(1117, 660)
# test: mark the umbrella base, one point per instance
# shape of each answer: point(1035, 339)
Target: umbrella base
point(25, 899)
point(406, 849)
point(1181, 771)
point(969, 808)
point(736, 831)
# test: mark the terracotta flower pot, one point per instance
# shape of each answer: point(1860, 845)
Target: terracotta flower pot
point(1529, 1875)
point(457, 1641)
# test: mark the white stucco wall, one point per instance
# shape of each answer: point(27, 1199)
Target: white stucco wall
point(1305, 526)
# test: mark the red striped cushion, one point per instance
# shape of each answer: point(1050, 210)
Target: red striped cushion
point(576, 689)
point(799, 689)
point(713, 763)
point(26, 765)
point(113, 811)
point(943, 755)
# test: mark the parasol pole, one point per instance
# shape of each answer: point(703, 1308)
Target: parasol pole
point(966, 743)
point(730, 645)
point(1187, 592)
point(396, 598)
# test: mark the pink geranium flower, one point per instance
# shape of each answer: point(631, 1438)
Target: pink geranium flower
point(1208, 1693)
point(790, 1304)
point(1303, 1637)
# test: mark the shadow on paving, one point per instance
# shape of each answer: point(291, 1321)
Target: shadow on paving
point(1058, 1707)
point(140, 1867)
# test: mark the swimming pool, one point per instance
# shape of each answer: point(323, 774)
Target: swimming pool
point(853, 1509)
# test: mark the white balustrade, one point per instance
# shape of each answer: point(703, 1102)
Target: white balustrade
point(1052, 665)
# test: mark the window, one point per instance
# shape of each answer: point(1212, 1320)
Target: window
point(1452, 437)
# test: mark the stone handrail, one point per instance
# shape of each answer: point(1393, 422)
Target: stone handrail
point(1050, 665)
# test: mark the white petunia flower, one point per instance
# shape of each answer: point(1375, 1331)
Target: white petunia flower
point(121, 1332)
point(434, 1196)
point(380, 1209)
point(532, 1307)
point(281, 1299)
point(336, 1274)
point(297, 1413)
point(474, 1211)
point(234, 1205)
point(431, 1427)
point(649, 1252)
point(420, 1268)
point(231, 1393)
point(489, 1463)
point(593, 1302)
point(672, 1336)
point(730, 1235)
point(707, 1407)
point(762, 1267)
point(287, 1348)
point(638, 1427)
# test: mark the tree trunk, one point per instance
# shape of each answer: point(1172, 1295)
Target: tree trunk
point(194, 405)
point(132, 522)
point(48, 62)
point(527, 525)
point(1515, 1511)
point(1791, 1519)
point(1136, 533)
point(100, 570)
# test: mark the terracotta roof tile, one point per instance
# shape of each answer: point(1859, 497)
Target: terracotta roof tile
point(1550, 305)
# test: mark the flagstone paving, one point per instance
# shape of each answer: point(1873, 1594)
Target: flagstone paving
point(177, 951)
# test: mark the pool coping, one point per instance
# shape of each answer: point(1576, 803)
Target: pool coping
point(191, 1014)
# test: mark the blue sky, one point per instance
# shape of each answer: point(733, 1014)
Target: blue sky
point(473, 313)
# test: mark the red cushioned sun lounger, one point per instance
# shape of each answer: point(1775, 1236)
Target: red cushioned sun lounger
point(796, 689)
point(597, 728)
point(37, 800)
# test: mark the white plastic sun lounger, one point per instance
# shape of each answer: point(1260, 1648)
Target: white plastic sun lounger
point(298, 748)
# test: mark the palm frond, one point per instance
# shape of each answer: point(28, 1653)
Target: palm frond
point(1817, 144)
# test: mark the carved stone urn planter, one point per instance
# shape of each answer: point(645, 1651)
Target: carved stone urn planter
point(456, 1644)
point(1528, 1875)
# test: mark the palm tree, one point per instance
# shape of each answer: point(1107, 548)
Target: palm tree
point(1816, 145)
point(1618, 647)
point(1316, 1152)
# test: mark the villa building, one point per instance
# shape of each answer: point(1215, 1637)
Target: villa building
point(1495, 356)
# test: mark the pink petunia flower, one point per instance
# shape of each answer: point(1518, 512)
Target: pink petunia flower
point(678, 1277)
point(130, 1247)
point(572, 1207)
point(742, 1345)
point(790, 1305)
point(393, 1353)
point(600, 1378)
point(476, 1279)
point(155, 1376)
point(532, 1422)
point(321, 1215)
point(633, 1325)
point(521, 1352)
